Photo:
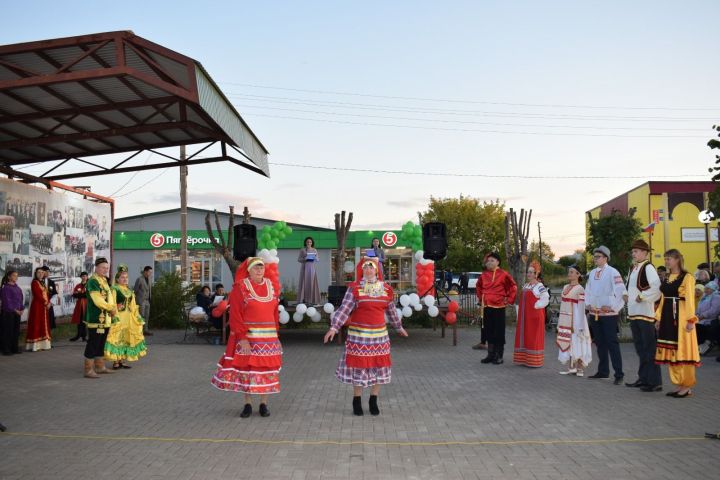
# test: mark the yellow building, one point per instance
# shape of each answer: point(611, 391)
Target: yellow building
point(669, 212)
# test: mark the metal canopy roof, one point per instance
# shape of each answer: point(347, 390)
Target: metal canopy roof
point(68, 98)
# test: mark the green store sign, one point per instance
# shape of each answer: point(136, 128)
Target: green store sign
point(199, 239)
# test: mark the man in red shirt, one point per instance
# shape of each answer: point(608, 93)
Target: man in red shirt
point(495, 290)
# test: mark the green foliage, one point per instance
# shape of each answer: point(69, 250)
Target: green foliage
point(270, 235)
point(713, 144)
point(547, 253)
point(617, 232)
point(474, 228)
point(168, 300)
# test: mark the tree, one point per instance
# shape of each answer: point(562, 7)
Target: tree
point(517, 232)
point(714, 196)
point(616, 231)
point(474, 228)
point(342, 228)
point(547, 254)
point(225, 248)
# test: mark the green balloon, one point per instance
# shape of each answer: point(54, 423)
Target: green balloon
point(288, 230)
point(271, 245)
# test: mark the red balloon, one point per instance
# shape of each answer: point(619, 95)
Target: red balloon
point(450, 318)
point(453, 307)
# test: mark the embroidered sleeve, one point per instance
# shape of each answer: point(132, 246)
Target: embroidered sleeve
point(542, 294)
point(95, 293)
point(343, 312)
point(619, 291)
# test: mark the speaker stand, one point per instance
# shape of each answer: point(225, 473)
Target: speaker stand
point(438, 291)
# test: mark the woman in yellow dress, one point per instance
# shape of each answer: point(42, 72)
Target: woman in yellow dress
point(677, 339)
point(125, 340)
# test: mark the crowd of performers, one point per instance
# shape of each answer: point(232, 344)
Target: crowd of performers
point(661, 314)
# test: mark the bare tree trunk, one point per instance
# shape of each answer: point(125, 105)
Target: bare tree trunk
point(517, 232)
point(224, 248)
point(341, 230)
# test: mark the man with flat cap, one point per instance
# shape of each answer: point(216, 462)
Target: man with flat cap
point(643, 291)
point(604, 298)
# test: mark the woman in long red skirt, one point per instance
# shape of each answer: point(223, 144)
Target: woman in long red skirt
point(253, 357)
point(38, 328)
point(530, 332)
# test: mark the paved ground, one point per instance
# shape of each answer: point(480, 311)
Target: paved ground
point(444, 416)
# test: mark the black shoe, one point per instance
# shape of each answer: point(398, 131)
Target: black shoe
point(125, 365)
point(374, 410)
point(651, 388)
point(264, 412)
point(84, 339)
point(618, 380)
point(636, 384)
point(357, 406)
point(2, 427)
point(247, 411)
point(17, 352)
point(498, 360)
point(490, 355)
point(498, 351)
point(598, 375)
point(74, 339)
point(148, 334)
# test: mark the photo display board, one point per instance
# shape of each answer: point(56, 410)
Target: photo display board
point(63, 231)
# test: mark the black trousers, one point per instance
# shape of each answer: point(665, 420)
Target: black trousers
point(95, 346)
point(708, 332)
point(9, 332)
point(645, 340)
point(494, 325)
point(81, 330)
point(606, 340)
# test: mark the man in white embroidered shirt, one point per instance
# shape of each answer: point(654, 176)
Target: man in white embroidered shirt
point(643, 291)
point(604, 298)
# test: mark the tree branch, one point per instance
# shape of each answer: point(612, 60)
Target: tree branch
point(220, 233)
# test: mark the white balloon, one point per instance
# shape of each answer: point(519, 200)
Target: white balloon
point(429, 300)
point(264, 252)
point(433, 311)
point(417, 307)
point(273, 252)
point(404, 300)
point(414, 298)
point(329, 307)
point(301, 308)
point(399, 312)
point(406, 312)
point(311, 311)
point(281, 308)
point(316, 318)
point(297, 317)
point(419, 255)
point(284, 317)
point(348, 266)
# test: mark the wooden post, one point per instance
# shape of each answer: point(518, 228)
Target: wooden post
point(184, 267)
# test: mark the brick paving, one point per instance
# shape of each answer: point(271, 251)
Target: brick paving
point(439, 394)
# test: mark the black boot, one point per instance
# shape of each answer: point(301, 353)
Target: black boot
point(499, 350)
point(75, 338)
point(247, 411)
point(357, 406)
point(374, 410)
point(264, 412)
point(490, 355)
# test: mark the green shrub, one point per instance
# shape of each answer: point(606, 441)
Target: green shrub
point(168, 300)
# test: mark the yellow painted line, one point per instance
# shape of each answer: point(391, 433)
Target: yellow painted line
point(350, 442)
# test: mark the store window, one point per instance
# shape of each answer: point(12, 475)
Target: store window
point(398, 268)
point(350, 257)
point(205, 265)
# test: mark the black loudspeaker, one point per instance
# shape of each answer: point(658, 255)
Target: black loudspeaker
point(336, 293)
point(434, 241)
point(245, 244)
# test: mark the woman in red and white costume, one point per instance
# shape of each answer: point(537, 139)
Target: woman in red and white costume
point(253, 357)
point(365, 361)
point(530, 333)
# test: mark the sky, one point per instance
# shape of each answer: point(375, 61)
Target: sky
point(555, 89)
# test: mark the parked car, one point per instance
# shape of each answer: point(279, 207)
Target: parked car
point(472, 280)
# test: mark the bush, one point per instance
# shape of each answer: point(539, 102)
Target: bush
point(168, 300)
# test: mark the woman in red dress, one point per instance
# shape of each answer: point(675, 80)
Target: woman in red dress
point(253, 357)
point(366, 362)
point(78, 316)
point(530, 332)
point(38, 328)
